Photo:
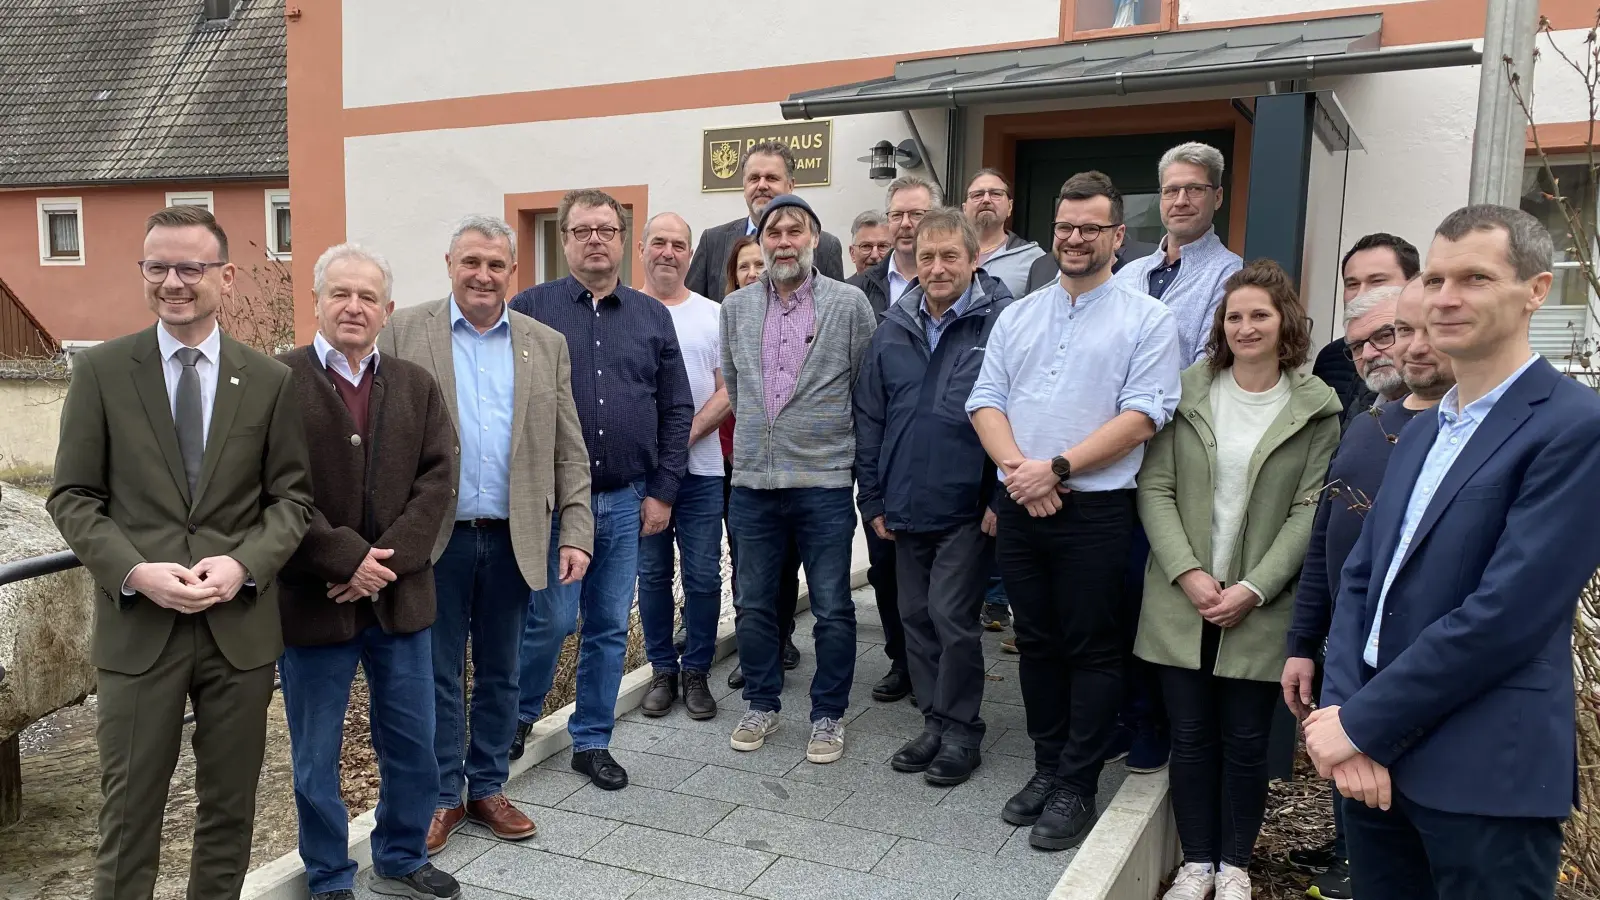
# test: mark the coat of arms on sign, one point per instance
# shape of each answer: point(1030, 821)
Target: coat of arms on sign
point(724, 158)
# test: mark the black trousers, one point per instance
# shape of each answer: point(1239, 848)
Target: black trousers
point(1415, 853)
point(944, 576)
point(1064, 575)
point(1220, 732)
point(885, 585)
point(788, 578)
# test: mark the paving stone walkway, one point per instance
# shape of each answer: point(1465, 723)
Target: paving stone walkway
point(701, 821)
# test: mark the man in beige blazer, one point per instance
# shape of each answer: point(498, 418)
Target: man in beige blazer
point(183, 485)
point(520, 460)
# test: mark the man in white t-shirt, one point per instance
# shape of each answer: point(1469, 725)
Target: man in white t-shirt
point(696, 524)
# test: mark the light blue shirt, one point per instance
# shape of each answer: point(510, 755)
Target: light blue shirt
point(935, 327)
point(1456, 428)
point(897, 283)
point(484, 391)
point(1060, 369)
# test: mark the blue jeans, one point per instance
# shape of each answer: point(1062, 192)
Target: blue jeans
point(697, 528)
point(995, 593)
point(481, 593)
point(316, 691)
point(604, 596)
point(822, 521)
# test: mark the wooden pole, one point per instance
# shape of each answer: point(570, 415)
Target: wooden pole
point(11, 781)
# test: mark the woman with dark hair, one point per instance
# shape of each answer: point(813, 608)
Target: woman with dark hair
point(1222, 495)
point(745, 266)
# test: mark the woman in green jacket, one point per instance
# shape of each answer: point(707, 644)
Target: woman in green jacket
point(1221, 496)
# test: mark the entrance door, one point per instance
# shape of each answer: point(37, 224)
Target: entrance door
point(1129, 160)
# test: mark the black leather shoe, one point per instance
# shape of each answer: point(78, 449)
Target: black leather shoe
point(894, 686)
point(1025, 805)
point(426, 883)
point(736, 677)
point(520, 742)
point(791, 653)
point(1064, 823)
point(916, 754)
point(658, 698)
point(697, 697)
point(952, 766)
point(606, 773)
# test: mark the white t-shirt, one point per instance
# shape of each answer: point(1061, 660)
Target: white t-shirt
point(697, 322)
point(1240, 420)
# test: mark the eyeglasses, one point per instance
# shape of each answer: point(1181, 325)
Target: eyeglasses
point(1382, 339)
point(1090, 231)
point(882, 247)
point(980, 193)
point(188, 272)
point(605, 233)
point(908, 215)
point(1192, 191)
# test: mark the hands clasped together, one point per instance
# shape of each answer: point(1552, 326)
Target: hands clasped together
point(1354, 773)
point(1034, 486)
point(213, 580)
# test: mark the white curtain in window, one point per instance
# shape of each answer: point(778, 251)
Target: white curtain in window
point(280, 216)
point(1127, 14)
point(63, 234)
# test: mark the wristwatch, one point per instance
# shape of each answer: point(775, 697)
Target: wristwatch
point(1062, 468)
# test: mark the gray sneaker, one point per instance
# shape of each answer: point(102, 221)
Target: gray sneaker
point(827, 741)
point(752, 730)
point(426, 883)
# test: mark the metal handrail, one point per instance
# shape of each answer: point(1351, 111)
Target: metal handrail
point(37, 566)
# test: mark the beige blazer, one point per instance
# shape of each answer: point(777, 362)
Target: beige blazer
point(549, 463)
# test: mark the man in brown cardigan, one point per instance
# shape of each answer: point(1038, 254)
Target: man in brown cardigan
point(360, 588)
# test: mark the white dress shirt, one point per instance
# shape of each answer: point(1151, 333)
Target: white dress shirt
point(332, 359)
point(171, 370)
point(897, 283)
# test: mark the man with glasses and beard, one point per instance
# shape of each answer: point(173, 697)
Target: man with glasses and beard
point(1074, 380)
point(792, 345)
point(1192, 264)
point(1002, 253)
point(1369, 339)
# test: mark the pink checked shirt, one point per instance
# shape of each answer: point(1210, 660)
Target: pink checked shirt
point(785, 338)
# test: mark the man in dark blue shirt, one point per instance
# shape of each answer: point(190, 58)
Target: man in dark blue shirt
point(634, 403)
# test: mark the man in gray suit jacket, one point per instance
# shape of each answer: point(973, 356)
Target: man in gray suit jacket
point(768, 173)
point(519, 459)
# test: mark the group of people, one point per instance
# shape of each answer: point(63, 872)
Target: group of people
point(1116, 452)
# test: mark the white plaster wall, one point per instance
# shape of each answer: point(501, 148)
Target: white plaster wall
point(404, 192)
point(1217, 10)
point(1559, 93)
point(398, 51)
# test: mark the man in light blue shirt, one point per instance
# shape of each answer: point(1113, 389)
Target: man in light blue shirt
point(1076, 377)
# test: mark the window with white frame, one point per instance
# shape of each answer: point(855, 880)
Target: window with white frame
point(190, 198)
point(61, 231)
point(1575, 183)
point(279, 236)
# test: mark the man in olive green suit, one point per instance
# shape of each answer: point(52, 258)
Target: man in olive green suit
point(182, 484)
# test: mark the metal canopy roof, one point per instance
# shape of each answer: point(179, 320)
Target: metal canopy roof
point(1347, 45)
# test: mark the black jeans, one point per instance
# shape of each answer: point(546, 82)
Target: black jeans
point(1220, 730)
point(1412, 852)
point(1064, 575)
point(885, 587)
point(944, 576)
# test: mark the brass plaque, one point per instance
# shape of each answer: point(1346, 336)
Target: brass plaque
point(722, 152)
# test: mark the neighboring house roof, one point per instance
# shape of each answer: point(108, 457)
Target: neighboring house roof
point(117, 91)
point(21, 334)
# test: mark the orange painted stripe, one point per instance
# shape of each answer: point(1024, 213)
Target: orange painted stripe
point(316, 146)
point(1562, 137)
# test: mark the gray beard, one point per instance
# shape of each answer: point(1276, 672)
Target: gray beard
point(1386, 383)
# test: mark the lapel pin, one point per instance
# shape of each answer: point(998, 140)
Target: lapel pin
point(233, 381)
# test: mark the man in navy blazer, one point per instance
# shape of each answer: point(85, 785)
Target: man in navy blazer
point(1449, 667)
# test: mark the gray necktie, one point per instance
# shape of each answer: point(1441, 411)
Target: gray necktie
point(190, 417)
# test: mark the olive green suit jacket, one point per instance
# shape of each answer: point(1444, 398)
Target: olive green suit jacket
point(121, 498)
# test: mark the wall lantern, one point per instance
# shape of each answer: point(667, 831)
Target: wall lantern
point(886, 157)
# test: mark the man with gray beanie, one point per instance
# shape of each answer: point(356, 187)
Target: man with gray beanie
point(792, 345)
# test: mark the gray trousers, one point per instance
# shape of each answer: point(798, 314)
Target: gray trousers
point(942, 578)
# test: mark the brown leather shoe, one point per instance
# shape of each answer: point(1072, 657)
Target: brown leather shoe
point(445, 823)
point(499, 816)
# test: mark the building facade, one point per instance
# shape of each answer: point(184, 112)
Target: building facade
point(134, 105)
point(406, 115)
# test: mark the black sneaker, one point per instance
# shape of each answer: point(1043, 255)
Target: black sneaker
point(1065, 822)
point(996, 617)
point(1025, 805)
point(791, 654)
point(426, 883)
point(1333, 884)
point(1149, 752)
point(520, 741)
point(1314, 860)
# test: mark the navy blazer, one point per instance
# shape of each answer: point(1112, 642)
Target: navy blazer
point(1471, 704)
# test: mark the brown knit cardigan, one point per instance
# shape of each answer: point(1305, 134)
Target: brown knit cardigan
point(388, 490)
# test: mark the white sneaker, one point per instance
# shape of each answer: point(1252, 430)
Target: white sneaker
point(1193, 882)
point(827, 741)
point(1233, 884)
point(752, 730)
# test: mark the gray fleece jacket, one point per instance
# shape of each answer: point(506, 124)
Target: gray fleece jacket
point(812, 441)
point(1012, 261)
